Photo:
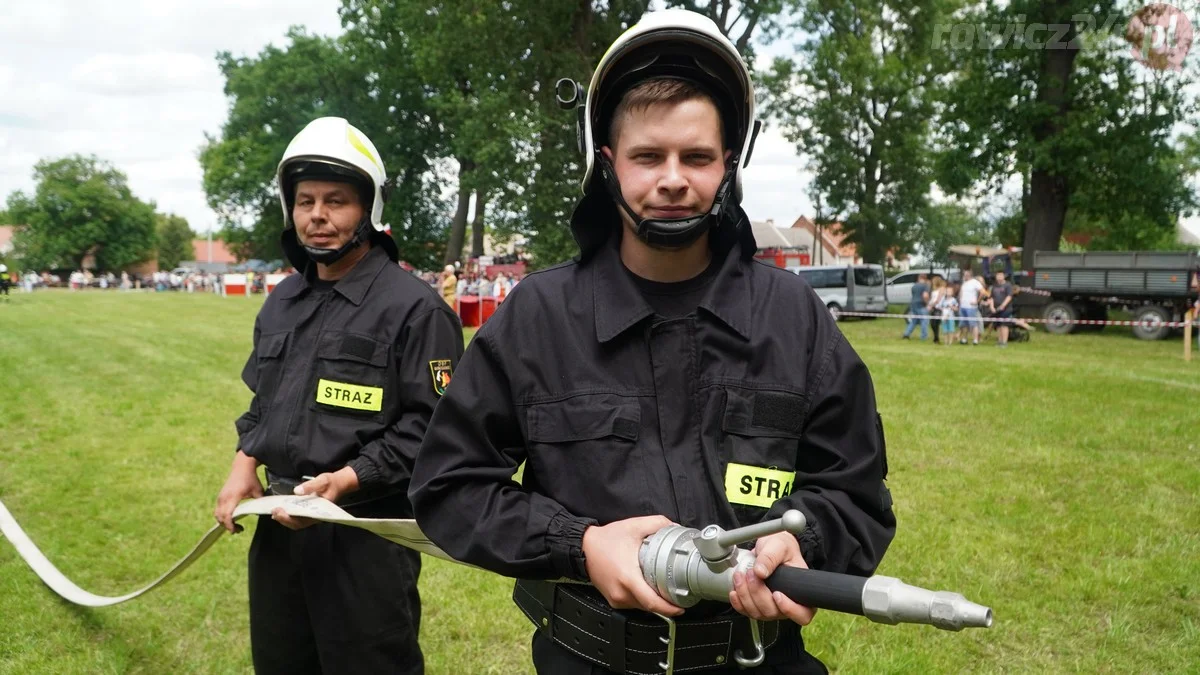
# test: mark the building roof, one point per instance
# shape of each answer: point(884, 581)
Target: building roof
point(6, 237)
point(766, 235)
point(220, 252)
point(832, 237)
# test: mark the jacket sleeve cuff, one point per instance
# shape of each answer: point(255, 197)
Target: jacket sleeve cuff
point(243, 432)
point(565, 539)
point(366, 470)
point(244, 425)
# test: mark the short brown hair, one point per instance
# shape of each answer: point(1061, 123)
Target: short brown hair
point(659, 90)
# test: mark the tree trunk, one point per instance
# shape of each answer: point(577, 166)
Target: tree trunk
point(477, 223)
point(1049, 192)
point(868, 206)
point(458, 226)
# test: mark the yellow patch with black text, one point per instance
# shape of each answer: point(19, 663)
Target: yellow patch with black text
point(353, 396)
point(755, 485)
point(440, 370)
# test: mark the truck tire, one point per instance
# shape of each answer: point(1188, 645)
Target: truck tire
point(1157, 317)
point(835, 310)
point(1060, 311)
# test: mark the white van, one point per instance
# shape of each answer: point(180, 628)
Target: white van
point(851, 288)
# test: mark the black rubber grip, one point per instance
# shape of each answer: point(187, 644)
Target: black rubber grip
point(823, 590)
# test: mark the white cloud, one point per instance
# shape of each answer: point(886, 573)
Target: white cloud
point(135, 83)
point(145, 74)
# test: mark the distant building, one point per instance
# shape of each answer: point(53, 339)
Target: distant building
point(6, 238)
point(833, 249)
point(210, 256)
point(781, 246)
point(802, 244)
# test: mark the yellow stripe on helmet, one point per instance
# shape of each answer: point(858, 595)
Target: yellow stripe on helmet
point(357, 143)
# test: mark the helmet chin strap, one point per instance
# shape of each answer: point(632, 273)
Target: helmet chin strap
point(669, 232)
point(328, 256)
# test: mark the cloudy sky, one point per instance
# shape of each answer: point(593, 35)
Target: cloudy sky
point(136, 83)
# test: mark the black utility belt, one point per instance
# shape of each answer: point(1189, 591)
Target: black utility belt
point(286, 485)
point(582, 623)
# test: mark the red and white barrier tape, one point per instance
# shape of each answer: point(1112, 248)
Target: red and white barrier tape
point(1056, 322)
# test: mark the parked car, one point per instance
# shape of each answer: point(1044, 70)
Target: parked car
point(852, 288)
point(899, 287)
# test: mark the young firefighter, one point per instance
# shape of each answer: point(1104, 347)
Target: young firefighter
point(649, 382)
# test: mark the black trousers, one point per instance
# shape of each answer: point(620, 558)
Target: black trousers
point(332, 599)
point(551, 659)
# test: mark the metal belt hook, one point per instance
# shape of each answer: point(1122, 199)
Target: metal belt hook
point(760, 654)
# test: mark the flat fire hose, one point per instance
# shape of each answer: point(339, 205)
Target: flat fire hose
point(403, 532)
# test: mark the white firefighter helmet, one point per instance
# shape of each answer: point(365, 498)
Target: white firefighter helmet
point(332, 149)
point(681, 44)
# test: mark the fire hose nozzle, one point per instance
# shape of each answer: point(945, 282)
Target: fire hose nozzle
point(889, 600)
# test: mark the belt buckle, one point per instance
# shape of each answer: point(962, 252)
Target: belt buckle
point(669, 666)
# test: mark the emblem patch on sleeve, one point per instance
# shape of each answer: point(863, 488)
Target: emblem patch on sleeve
point(440, 370)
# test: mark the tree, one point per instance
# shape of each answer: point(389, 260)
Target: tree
point(1056, 102)
point(482, 64)
point(944, 225)
point(857, 101)
point(274, 95)
point(81, 206)
point(174, 241)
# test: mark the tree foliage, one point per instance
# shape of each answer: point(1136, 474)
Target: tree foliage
point(947, 224)
point(857, 101)
point(1058, 103)
point(81, 206)
point(174, 238)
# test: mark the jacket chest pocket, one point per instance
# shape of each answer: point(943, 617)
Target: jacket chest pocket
point(351, 376)
point(760, 438)
point(583, 440)
point(268, 367)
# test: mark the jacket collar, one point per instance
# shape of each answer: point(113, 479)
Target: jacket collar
point(353, 286)
point(618, 304)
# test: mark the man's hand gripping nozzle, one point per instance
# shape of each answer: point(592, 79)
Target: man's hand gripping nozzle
point(686, 565)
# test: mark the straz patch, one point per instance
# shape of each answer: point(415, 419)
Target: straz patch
point(756, 486)
point(440, 370)
point(353, 396)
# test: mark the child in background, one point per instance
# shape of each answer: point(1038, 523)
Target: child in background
point(947, 308)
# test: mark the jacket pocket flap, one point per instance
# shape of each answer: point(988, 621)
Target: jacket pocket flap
point(271, 346)
point(340, 346)
point(584, 418)
point(763, 413)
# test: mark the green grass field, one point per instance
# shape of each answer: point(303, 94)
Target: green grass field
point(1055, 481)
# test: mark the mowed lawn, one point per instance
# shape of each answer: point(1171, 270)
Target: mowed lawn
point(1056, 481)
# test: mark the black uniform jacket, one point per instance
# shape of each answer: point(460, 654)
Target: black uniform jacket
point(349, 376)
point(753, 404)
